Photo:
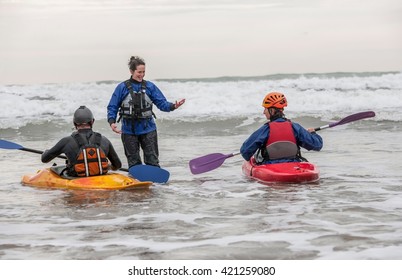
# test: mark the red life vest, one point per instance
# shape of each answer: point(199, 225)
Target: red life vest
point(281, 142)
point(91, 159)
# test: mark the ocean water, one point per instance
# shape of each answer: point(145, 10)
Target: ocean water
point(353, 212)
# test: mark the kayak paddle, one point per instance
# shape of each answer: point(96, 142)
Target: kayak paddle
point(4, 144)
point(139, 172)
point(143, 172)
point(208, 162)
point(348, 119)
point(212, 161)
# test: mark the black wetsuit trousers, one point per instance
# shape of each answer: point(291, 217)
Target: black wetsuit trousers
point(149, 145)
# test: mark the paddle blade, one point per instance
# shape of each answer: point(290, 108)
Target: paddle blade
point(4, 144)
point(348, 119)
point(149, 173)
point(207, 163)
point(354, 117)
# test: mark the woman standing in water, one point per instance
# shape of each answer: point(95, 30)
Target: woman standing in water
point(133, 99)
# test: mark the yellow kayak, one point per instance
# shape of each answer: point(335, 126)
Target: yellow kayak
point(111, 181)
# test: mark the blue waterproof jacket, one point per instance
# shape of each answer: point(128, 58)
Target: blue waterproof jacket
point(257, 140)
point(142, 126)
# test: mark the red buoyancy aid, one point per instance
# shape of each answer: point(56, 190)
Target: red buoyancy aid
point(91, 159)
point(282, 141)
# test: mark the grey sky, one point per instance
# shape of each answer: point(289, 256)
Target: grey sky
point(86, 40)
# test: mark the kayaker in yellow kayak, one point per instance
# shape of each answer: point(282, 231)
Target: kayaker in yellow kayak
point(279, 140)
point(88, 152)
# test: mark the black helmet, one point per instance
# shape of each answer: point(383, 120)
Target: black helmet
point(83, 115)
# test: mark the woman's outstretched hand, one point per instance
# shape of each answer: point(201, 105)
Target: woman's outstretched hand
point(179, 103)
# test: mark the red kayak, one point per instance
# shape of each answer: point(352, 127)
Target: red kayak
point(287, 172)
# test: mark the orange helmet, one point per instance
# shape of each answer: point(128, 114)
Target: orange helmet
point(275, 99)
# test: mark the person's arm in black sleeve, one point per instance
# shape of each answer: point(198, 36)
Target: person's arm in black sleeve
point(114, 158)
point(55, 151)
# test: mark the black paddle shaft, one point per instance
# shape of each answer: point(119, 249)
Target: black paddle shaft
point(40, 152)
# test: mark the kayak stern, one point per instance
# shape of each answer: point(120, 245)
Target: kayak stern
point(287, 172)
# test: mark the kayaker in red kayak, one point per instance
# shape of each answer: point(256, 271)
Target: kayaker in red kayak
point(279, 140)
point(87, 151)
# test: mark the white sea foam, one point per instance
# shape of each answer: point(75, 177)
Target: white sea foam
point(321, 96)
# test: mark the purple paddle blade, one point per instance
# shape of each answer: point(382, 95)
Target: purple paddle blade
point(354, 117)
point(348, 119)
point(207, 163)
